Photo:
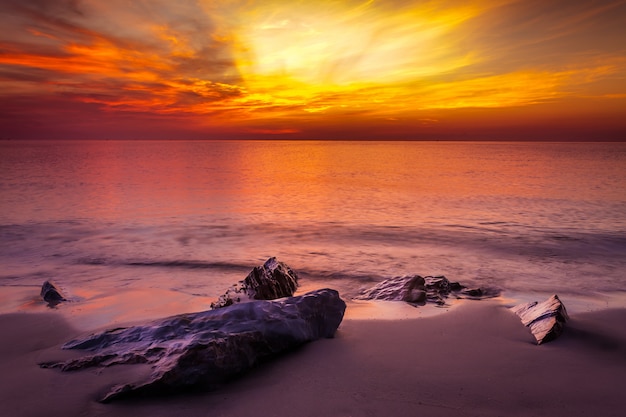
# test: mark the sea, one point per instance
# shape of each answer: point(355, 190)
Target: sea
point(130, 230)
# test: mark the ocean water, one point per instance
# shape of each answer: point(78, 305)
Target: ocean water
point(146, 228)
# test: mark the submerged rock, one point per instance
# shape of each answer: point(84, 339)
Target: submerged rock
point(210, 347)
point(51, 294)
point(270, 281)
point(415, 289)
point(546, 320)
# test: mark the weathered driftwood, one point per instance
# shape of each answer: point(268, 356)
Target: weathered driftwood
point(270, 281)
point(415, 289)
point(51, 294)
point(208, 348)
point(546, 320)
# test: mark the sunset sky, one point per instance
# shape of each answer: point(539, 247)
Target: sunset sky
point(291, 69)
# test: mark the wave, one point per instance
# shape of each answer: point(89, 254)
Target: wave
point(190, 264)
point(171, 263)
point(309, 273)
point(512, 256)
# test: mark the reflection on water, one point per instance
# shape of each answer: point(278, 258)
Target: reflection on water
point(348, 182)
point(190, 218)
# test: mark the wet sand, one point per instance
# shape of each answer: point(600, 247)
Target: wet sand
point(474, 360)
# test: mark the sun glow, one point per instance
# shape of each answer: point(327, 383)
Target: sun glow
point(317, 49)
point(337, 58)
point(303, 51)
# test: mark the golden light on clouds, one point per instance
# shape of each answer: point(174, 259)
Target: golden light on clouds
point(301, 68)
point(348, 44)
point(330, 56)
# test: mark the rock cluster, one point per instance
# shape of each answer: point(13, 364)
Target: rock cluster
point(415, 289)
point(209, 348)
point(545, 320)
point(270, 281)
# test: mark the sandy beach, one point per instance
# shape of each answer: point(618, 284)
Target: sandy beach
point(473, 360)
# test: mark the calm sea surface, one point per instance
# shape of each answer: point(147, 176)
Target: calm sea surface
point(161, 226)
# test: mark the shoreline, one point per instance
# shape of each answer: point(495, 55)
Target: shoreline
point(477, 359)
point(89, 310)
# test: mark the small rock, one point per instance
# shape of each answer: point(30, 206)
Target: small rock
point(546, 320)
point(270, 281)
point(405, 288)
point(51, 294)
point(473, 292)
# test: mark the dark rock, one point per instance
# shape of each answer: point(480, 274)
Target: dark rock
point(51, 294)
point(268, 282)
point(407, 288)
point(208, 348)
point(473, 292)
point(546, 320)
point(415, 289)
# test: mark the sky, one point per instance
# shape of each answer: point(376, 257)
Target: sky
point(293, 69)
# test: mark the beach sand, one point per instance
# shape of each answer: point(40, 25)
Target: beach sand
point(474, 360)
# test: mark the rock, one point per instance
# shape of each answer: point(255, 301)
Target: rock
point(546, 320)
point(473, 292)
point(268, 282)
point(209, 348)
point(415, 289)
point(51, 294)
point(407, 288)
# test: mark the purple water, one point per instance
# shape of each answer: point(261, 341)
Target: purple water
point(147, 228)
